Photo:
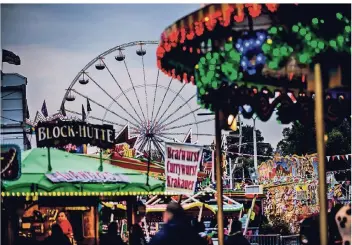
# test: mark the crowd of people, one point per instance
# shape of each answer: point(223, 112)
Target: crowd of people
point(178, 229)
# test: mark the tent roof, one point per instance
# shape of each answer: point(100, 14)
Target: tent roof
point(35, 166)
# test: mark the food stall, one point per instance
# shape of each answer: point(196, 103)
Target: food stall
point(76, 185)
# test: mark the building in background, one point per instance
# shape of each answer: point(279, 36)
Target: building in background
point(14, 110)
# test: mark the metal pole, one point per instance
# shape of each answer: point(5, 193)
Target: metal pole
point(319, 125)
point(101, 160)
point(231, 179)
point(218, 117)
point(49, 161)
point(255, 149)
point(249, 215)
point(239, 147)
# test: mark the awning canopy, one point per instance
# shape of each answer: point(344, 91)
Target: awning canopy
point(35, 167)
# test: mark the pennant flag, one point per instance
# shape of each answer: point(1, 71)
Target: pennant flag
point(27, 111)
point(124, 137)
point(338, 157)
point(63, 110)
point(333, 158)
point(44, 110)
point(343, 157)
point(84, 116)
point(88, 106)
point(328, 157)
point(10, 57)
point(347, 157)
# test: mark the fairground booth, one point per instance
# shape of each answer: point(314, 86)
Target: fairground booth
point(42, 184)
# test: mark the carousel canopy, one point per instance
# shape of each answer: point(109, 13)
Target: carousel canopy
point(36, 178)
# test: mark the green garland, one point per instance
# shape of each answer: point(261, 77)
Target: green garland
point(309, 43)
point(211, 68)
point(215, 67)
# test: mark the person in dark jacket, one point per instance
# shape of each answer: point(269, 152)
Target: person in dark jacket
point(136, 231)
point(177, 230)
point(235, 236)
point(111, 238)
point(57, 237)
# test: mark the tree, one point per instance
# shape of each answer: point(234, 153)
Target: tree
point(301, 139)
point(247, 147)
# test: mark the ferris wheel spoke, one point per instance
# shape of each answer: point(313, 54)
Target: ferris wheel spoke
point(107, 109)
point(156, 88)
point(134, 89)
point(113, 77)
point(158, 147)
point(179, 118)
point(165, 137)
point(179, 108)
point(162, 102)
point(145, 88)
point(188, 124)
point(168, 107)
point(96, 118)
point(201, 134)
point(117, 103)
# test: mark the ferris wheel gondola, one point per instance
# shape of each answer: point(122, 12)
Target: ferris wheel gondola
point(155, 112)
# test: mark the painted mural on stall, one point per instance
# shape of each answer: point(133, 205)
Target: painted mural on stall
point(291, 184)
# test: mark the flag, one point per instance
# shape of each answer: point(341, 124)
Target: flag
point(63, 110)
point(27, 111)
point(44, 110)
point(84, 116)
point(88, 106)
point(10, 57)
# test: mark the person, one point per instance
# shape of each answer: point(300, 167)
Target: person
point(235, 236)
point(136, 231)
point(176, 230)
point(65, 225)
point(200, 229)
point(57, 237)
point(111, 238)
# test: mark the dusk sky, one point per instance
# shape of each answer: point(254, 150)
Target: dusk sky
point(55, 42)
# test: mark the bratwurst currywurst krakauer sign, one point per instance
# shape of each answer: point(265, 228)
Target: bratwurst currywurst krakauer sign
point(55, 134)
point(181, 168)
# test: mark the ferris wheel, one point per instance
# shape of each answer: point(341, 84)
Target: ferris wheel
point(123, 87)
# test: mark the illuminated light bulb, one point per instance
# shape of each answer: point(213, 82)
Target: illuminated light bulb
point(197, 66)
point(315, 21)
point(326, 138)
point(295, 28)
point(339, 16)
point(206, 19)
point(269, 41)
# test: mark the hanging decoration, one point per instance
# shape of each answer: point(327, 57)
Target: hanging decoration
point(214, 17)
point(339, 157)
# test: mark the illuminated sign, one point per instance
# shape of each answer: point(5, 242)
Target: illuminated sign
point(87, 177)
point(58, 134)
point(10, 162)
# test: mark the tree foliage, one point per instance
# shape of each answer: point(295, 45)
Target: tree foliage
point(301, 139)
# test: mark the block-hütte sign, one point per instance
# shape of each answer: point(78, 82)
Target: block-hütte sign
point(181, 167)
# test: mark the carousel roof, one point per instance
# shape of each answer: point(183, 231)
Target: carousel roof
point(34, 172)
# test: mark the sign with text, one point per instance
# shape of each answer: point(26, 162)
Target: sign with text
point(58, 134)
point(181, 167)
point(86, 177)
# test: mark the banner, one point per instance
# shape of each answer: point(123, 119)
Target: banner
point(58, 134)
point(87, 177)
point(181, 167)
